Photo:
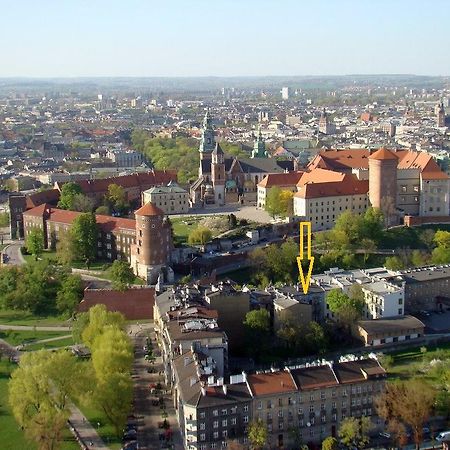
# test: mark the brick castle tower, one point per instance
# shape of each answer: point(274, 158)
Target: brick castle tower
point(151, 254)
point(383, 182)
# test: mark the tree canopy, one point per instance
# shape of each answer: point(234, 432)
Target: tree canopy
point(68, 193)
point(84, 235)
point(122, 275)
point(200, 235)
point(35, 242)
point(279, 202)
point(39, 392)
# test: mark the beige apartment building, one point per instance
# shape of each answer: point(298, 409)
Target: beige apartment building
point(172, 199)
point(323, 195)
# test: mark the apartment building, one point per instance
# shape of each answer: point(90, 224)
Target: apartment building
point(323, 195)
point(314, 400)
point(383, 299)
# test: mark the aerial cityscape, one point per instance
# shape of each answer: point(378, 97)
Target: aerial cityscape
point(224, 225)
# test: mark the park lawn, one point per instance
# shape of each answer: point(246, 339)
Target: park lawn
point(16, 337)
point(46, 255)
point(409, 362)
point(14, 317)
point(183, 226)
point(12, 437)
point(60, 343)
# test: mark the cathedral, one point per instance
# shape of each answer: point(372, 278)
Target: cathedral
point(227, 179)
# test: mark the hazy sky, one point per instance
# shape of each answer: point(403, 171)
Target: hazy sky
point(53, 38)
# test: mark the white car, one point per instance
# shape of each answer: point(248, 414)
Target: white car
point(443, 436)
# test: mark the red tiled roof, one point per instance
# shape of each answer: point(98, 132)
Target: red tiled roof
point(280, 179)
point(271, 383)
point(341, 159)
point(106, 223)
point(142, 179)
point(383, 154)
point(38, 198)
point(149, 209)
point(348, 184)
point(37, 211)
point(136, 303)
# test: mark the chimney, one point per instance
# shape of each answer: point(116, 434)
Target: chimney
point(225, 389)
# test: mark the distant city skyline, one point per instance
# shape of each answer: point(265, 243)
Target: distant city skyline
point(178, 38)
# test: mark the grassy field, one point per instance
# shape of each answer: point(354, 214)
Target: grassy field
point(12, 437)
point(13, 317)
point(16, 337)
point(60, 343)
point(182, 227)
point(417, 362)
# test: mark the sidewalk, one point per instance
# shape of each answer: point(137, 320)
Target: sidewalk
point(84, 431)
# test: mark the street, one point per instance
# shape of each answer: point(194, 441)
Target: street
point(147, 406)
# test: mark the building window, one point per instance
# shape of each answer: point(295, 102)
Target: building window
point(202, 426)
point(233, 421)
point(245, 408)
point(216, 435)
point(224, 412)
point(216, 412)
point(203, 437)
point(224, 422)
point(216, 424)
point(245, 419)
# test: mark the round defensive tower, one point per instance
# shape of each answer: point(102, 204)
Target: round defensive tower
point(153, 241)
point(383, 178)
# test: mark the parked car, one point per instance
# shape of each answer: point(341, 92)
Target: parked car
point(385, 434)
point(443, 435)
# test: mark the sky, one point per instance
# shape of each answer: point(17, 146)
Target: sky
point(140, 38)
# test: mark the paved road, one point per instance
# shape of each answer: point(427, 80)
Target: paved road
point(149, 433)
point(14, 254)
point(31, 328)
point(82, 429)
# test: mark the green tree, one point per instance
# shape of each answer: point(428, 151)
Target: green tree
point(69, 295)
point(68, 192)
point(368, 246)
point(353, 432)
point(330, 443)
point(4, 219)
point(372, 224)
point(35, 242)
point(122, 275)
point(427, 238)
point(279, 202)
point(257, 434)
point(347, 310)
point(99, 319)
point(82, 203)
point(419, 258)
point(258, 321)
point(112, 357)
point(116, 198)
point(257, 326)
point(84, 235)
point(65, 248)
point(103, 210)
point(201, 235)
point(394, 263)
point(39, 392)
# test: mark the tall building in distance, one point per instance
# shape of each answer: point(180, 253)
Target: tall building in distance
point(326, 126)
point(285, 93)
point(207, 141)
point(259, 147)
point(440, 115)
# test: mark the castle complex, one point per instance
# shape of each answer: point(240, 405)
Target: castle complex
point(146, 241)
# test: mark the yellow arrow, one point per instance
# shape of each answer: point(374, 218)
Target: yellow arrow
point(305, 227)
